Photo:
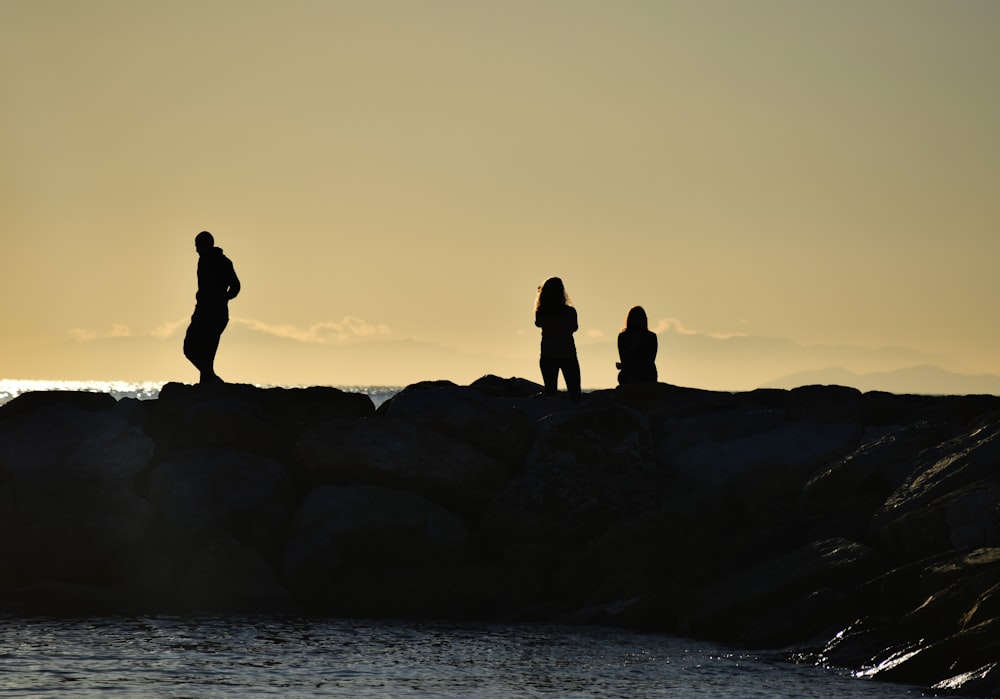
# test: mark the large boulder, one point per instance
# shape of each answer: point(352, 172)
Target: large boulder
point(206, 493)
point(66, 492)
point(259, 420)
point(844, 496)
point(948, 662)
point(401, 455)
point(588, 469)
point(30, 401)
point(226, 415)
point(513, 387)
point(948, 501)
point(790, 598)
point(225, 576)
point(638, 573)
point(933, 622)
point(751, 477)
point(493, 425)
point(676, 434)
point(826, 404)
point(339, 527)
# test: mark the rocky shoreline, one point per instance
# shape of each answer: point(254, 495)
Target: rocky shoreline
point(855, 530)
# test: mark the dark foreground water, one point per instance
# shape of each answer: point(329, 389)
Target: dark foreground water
point(268, 657)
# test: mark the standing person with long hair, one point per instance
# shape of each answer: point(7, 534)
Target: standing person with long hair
point(556, 316)
point(637, 347)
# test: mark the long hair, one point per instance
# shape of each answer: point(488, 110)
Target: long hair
point(551, 295)
point(636, 320)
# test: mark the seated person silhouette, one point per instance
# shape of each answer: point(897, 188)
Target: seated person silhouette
point(217, 284)
point(637, 347)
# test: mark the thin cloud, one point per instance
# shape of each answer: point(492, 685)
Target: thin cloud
point(161, 332)
point(673, 324)
point(325, 332)
point(168, 329)
point(726, 336)
point(84, 335)
point(676, 326)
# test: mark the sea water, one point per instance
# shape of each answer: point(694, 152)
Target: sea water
point(292, 657)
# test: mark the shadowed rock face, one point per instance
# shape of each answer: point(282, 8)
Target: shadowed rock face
point(860, 530)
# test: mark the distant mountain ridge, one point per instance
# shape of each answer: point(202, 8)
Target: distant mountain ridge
point(932, 380)
point(742, 363)
point(737, 363)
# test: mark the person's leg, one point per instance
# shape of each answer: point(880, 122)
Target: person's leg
point(212, 336)
point(571, 374)
point(201, 342)
point(194, 343)
point(550, 374)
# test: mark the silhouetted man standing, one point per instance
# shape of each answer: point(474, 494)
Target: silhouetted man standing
point(217, 283)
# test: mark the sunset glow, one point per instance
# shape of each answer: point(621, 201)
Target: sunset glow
point(785, 186)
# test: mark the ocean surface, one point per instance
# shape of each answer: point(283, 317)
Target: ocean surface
point(288, 657)
point(292, 657)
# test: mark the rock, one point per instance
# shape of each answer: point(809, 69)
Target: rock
point(781, 459)
point(936, 623)
point(666, 400)
point(442, 591)
point(675, 436)
point(302, 408)
point(865, 525)
point(263, 421)
point(632, 567)
point(337, 527)
point(905, 587)
point(587, 470)
point(66, 492)
point(229, 422)
point(981, 682)
point(202, 494)
point(826, 404)
point(225, 576)
point(513, 387)
point(949, 500)
point(371, 524)
point(844, 497)
point(31, 401)
point(970, 651)
point(787, 599)
point(401, 455)
point(490, 424)
point(752, 484)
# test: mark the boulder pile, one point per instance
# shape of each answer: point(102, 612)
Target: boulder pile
point(855, 530)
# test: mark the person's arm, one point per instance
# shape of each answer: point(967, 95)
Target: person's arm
point(233, 289)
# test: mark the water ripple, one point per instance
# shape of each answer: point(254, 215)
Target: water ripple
point(281, 657)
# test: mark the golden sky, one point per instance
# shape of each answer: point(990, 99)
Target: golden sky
point(407, 173)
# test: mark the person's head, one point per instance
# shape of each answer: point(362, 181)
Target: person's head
point(551, 294)
point(636, 319)
point(203, 242)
